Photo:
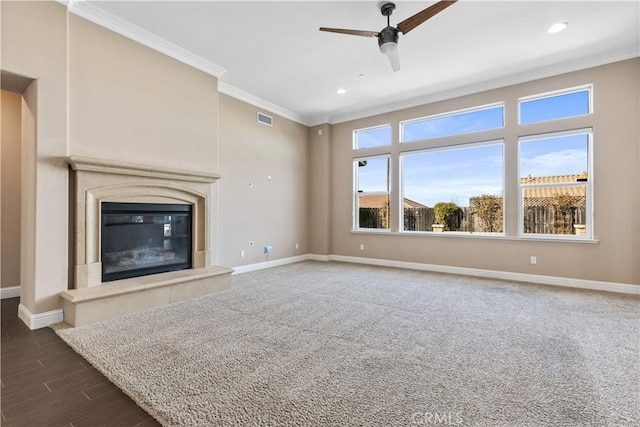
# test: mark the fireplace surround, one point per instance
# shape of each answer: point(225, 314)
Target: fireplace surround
point(98, 183)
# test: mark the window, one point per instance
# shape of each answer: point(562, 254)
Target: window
point(473, 120)
point(452, 179)
point(454, 189)
point(555, 183)
point(541, 108)
point(372, 192)
point(372, 137)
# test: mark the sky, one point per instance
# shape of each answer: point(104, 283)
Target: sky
point(563, 155)
point(455, 175)
point(472, 121)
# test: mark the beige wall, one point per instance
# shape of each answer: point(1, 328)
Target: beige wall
point(268, 213)
point(616, 158)
point(131, 103)
point(28, 266)
point(320, 190)
point(34, 39)
point(95, 94)
point(10, 188)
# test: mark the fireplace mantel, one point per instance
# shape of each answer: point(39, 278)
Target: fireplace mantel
point(90, 164)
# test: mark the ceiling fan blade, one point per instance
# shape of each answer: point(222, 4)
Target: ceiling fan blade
point(413, 21)
point(351, 32)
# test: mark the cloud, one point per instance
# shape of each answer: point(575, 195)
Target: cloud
point(563, 162)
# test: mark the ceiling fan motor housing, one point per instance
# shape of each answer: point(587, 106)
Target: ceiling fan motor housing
point(388, 34)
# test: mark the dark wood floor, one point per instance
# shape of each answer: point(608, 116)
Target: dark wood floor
point(45, 383)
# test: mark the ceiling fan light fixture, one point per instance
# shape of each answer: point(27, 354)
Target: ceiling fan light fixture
point(557, 27)
point(388, 43)
point(391, 50)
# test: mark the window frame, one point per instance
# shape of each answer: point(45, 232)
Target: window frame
point(356, 194)
point(451, 114)
point(589, 232)
point(354, 142)
point(510, 134)
point(551, 94)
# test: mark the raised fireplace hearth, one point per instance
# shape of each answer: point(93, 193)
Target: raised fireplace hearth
point(142, 238)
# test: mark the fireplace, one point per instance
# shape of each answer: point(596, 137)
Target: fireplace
point(138, 239)
point(142, 238)
point(150, 200)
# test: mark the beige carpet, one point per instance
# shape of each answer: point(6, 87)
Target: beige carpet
point(335, 344)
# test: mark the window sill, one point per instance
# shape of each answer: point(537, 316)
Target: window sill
point(491, 236)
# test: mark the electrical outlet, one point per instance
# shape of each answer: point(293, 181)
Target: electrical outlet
point(534, 260)
point(242, 253)
point(362, 247)
point(297, 246)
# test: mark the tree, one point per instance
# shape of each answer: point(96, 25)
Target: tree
point(446, 213)
point(384, 214)
point(488, 209)
point(564, 208)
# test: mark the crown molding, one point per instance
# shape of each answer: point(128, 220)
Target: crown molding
point(241, 95)
point(125, 28)
point(120, 26)
point(107, 20)
point(578, 64)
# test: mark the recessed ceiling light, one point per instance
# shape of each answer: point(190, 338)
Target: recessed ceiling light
point(341, 91)
point(557, 27)
point(361, 75)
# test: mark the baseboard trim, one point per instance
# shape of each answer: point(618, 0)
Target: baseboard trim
point(624, 288)
point(39, 320)
point(268, 264)
point(10, 292)
point(316, 257)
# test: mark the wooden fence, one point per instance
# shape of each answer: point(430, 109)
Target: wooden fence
point(422, 219)
point(549, 220)
point(372, 218)
point(537, 220)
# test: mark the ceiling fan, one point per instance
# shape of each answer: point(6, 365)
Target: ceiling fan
point(388, 36)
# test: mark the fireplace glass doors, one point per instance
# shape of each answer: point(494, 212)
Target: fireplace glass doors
point(144, 238)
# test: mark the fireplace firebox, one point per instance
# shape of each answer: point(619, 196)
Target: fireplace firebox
point(139, 239)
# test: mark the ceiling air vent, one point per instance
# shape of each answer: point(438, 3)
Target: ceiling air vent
point(265, 120)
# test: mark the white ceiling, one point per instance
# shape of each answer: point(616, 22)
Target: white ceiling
point(274, 54)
